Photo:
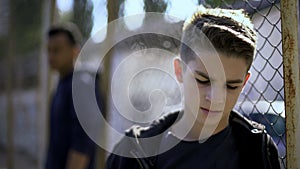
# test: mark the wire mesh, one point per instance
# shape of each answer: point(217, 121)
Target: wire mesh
point(262, 99)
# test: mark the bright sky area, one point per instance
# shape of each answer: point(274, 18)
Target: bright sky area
point(177, 8)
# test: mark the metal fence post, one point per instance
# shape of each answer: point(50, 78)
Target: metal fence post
point(291, 80)
point(9, 90)
point(43, 84)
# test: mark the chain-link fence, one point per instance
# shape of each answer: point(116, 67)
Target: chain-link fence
point(262, 99)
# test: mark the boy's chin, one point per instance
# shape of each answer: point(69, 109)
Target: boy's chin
point(210, 119)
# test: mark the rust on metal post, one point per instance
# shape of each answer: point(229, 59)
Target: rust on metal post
point(289, 24)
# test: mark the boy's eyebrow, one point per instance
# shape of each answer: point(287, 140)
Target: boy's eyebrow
point(228, 81)
point(235, 81)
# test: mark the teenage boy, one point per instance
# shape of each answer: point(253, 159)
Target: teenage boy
point(217, 50)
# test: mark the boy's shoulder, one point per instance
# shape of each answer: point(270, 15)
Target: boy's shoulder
point(236, 120)
point(245, 131)
point(156, 127)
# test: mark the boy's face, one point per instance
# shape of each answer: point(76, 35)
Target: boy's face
point(60, 52)
point(218, 89)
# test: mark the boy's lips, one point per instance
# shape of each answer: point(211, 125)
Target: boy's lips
point(206, 111)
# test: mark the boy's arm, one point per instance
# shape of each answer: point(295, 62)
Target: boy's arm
point(273, 154)
point(82, 148)
point(117, 161)
point(77, 160)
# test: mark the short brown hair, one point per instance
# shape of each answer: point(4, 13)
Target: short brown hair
point(230, 32)
point(70, 30)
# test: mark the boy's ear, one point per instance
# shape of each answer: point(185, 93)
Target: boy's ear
point(75, 51)
point(178, 69)
point(247, 78)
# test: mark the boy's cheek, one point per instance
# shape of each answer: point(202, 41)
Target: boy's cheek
point(191, 95)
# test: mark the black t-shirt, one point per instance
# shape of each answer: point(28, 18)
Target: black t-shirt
point(217, 152)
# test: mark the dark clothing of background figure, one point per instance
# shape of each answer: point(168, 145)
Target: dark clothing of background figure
point(255, 148)
point(66, 132)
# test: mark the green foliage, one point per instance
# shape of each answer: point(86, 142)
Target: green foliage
point(66, 16)
point(25, 25)
point(3, 47)
point(155, 6)
point(121, 7)
point(83, 17)
point(149, 6)
point(215, 3)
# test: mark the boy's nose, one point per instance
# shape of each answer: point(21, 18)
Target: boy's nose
point(216, 96)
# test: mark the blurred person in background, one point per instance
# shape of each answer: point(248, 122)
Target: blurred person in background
point(69, 146)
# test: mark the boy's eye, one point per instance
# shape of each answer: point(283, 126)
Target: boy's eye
point(202, 81)
point(232, 87)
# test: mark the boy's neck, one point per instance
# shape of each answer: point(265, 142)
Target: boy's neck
point(66, 71)
point(197, 132)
